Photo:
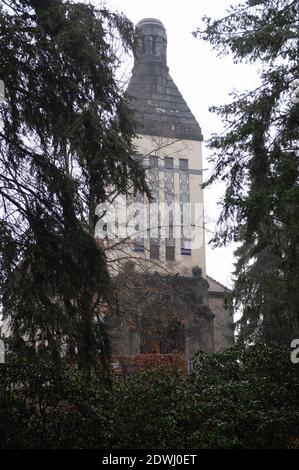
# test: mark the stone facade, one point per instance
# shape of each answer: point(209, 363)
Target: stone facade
point(163, 315)
point(223, 317)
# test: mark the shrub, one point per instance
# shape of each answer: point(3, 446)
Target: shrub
point(242, 398)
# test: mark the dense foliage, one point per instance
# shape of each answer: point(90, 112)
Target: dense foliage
point(239, 399)
point(65, 145)
point(257, 158)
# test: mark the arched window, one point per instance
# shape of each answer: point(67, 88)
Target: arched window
point(173, 340)
point(169, 339)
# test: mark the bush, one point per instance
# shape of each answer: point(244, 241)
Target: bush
point(240, 398)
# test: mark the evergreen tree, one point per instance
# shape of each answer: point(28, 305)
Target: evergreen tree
point(66, 137)
point(257, 158)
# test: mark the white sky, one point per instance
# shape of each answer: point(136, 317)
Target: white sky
point(203, 79)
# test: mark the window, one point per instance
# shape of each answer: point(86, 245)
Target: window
point(185, 208)
point(162, 339)
point(153, 161)
point(154, 251)
point(173, 339)
point(170, 253)
point(168, 163)
point(169, 208)
point(183, 164)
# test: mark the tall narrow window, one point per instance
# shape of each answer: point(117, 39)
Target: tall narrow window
point(169, 209)
point(154, 250)
point(185, 207)
point(138, 242)
point(154, 222)
point(170, 253)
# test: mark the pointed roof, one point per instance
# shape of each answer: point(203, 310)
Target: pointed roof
point(160, 108)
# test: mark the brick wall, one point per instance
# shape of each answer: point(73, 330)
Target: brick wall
point(130, 363)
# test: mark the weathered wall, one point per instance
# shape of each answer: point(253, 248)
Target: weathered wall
point(162, 314)
point(223, 323)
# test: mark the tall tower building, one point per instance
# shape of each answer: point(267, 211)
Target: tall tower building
point(170, 142)
point(170, 306)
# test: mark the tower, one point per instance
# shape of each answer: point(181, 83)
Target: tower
point(169, 306)
point(170, 142)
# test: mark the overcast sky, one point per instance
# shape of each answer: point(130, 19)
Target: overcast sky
point(203, 79)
